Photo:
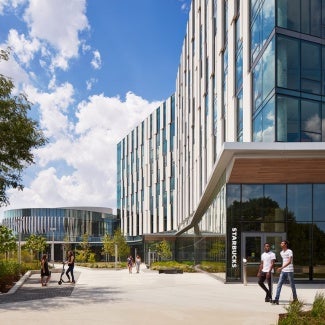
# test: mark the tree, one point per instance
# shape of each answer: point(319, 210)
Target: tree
point(36, 244)
point(108, 246)
point(84, 252)
point(218, 249)
point(19, 135)
point(7, 241)
point(123, 249)
point(163, 250)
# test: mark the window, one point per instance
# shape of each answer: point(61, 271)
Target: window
point(264, 123)
point(288, 63)
point(311, 74)
point(264, 76)
point(288, 119)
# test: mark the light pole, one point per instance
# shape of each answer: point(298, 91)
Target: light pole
point(19, 220)
point(52, 248)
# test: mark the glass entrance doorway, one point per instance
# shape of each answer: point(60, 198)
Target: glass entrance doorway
point(253, 247)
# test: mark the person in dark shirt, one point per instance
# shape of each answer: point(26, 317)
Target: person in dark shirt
point(70, 263)
point(45, 272)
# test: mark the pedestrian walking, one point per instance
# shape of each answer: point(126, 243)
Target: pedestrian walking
point(265, 271)
point(130, 263)
point(287, 272)
point(70, 263)
point(138, 263)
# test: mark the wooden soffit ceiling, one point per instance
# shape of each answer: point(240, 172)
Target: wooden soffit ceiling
point(277, 170)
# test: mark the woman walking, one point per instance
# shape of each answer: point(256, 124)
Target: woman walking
point(70, 262)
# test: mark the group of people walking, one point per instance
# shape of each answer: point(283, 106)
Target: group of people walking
point(266, 270)
point(130, 263)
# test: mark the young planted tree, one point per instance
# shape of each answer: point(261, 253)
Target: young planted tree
point(108, 246)
point(35, 244)
point(19, 135)
point(163, 250)
point(123, 249)
point(7, 241)
point(84, 252)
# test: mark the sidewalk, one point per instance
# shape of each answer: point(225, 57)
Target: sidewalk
point(117, 297)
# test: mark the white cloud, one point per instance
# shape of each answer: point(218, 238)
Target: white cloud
point(86, 144)
point(59, 23)
point(14, 4)
point(53, 109)
point(13, 70)
point(90, 83)
point(96, 61)
point(22, 47)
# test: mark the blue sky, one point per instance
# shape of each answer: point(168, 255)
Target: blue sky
point(93, 71)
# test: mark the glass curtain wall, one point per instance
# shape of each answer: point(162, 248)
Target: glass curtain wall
point(294, 209)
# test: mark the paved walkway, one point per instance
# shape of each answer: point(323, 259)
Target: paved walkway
point(117, 297)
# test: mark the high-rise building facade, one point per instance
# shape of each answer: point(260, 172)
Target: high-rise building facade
point(146, 175)
point(248, 156)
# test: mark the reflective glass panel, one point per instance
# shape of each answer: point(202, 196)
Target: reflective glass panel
point(288, 63)
point(318, 258)
point(310, 121)
point(268, 122)
point(319, 202)
point(310, 67)
point(268, 70)
point(300, 202)
point(288, 14)
point(288, 121)
point(257, 128)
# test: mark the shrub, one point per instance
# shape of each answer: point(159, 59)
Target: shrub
point(295, 315)
point(9, 273)
point(213, 267)
point(318, 310)
point(163, 265)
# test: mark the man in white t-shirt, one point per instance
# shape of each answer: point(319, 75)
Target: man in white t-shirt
point(286, 272)
point(265, 271)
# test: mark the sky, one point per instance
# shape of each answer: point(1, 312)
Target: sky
point(93, 69)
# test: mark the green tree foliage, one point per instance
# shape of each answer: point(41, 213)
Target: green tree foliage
point(19, 135)
point(7, 241)
point(84, 253)
point(36, 244)
point(123, 249)
point(218, 249)
point(108, 246)
point(163, 250)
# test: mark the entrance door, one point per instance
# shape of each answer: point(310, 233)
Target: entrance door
point(253, 247)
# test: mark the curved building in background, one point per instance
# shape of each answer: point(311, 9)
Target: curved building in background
point(62, 225)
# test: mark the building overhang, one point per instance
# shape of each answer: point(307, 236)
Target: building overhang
point(257, 162)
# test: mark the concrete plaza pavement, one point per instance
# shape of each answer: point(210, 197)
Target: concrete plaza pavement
point(117, 297)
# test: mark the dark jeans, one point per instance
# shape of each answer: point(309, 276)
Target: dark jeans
point(261, 281)
point(70, 270)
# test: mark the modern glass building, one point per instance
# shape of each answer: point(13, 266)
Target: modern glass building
point(246, 161)
point(62, 225)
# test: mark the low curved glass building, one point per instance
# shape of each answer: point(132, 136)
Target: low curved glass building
point(62, 225)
